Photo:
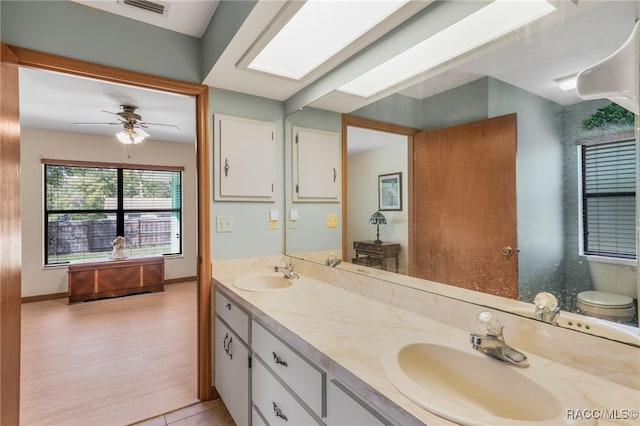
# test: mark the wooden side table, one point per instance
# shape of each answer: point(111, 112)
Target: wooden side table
point(374, 254)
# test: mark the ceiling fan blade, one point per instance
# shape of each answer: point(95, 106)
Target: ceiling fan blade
point(109, 112)
point(159, 126)
point(96, 124)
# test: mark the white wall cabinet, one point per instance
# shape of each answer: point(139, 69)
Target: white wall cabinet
point(244, 159)
point(232, 358)
point(317, 167)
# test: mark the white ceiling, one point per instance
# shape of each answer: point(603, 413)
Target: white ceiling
point(189, 17)
point(560, 44)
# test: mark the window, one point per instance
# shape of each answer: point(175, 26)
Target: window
point(609, 199)
point(87, 207)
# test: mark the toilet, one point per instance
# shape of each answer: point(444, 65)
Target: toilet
point(615, 287)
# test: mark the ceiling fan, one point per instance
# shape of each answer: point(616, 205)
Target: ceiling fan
point(132, 124)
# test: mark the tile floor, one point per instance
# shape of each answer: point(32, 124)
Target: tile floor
point(209, 413)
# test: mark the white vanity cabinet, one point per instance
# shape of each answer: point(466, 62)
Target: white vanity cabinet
point(285, 384)
point(265, 381)
point(344, 408)
point(232, 358)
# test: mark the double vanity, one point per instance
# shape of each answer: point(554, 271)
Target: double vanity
point(302, 350)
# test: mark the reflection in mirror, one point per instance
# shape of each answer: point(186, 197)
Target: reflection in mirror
point(563, 146)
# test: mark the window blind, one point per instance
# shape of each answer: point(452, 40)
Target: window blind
point(609, 199)
point(86, 207)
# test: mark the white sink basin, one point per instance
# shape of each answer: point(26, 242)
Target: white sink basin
point(468, 387)
point(263, 282)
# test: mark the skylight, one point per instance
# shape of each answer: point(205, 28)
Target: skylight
point(319, 30)
point(492, 21)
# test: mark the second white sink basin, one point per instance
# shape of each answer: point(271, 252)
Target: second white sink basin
point(263, 282)
point(471, 388)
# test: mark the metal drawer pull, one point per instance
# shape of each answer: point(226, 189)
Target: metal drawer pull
point(278, 412)
point(229, 347)
point(278, 360)
point(226, 345)
point(228, 305)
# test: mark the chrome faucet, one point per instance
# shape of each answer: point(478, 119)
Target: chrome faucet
point(493, 344)
point(286, 268)
point(333, 261)
point(546, 307)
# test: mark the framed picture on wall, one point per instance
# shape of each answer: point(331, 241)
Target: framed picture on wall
point(390, 191)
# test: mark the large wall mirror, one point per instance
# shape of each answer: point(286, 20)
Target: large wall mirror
point(565, 151)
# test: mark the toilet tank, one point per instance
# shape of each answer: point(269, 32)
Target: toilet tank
point(617, 276)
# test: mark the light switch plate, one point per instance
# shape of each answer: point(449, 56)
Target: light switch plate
point(224, 224)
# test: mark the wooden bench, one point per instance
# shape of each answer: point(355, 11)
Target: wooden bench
point(112, 278)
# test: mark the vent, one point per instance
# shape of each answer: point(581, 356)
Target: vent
point(154, 7)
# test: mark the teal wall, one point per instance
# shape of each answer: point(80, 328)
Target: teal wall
point(251, 236)
point(70, 29)
point(226, 21)
point(539, 187)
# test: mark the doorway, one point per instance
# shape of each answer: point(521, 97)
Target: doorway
point(351, 122)
point(11, 286)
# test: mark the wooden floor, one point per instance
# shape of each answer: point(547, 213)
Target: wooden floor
point(108, 362)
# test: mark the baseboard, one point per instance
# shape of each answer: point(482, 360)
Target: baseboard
point(180, 280)
point(42, 297)
point(214, 393)
point(51, 296)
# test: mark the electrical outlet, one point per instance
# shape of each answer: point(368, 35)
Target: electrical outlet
point(224, 224)
point(332, 220)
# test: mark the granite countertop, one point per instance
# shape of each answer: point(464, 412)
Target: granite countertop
point(346, 334)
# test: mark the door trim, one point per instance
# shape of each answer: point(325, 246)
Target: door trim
point(354, 121)
point(10, 249)
point(47, 61)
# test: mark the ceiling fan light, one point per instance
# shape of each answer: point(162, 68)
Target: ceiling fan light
point(137, 137)
point(124, 137)
point(131, 135)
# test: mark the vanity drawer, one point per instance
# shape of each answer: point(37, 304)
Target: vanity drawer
point(274, 402)
point(256, 417)
point(235, 317)
point(305, 379)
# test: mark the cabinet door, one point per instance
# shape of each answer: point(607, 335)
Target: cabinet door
point(346, 409)
point(316, 165)
point(244, 159)
point(232, 372)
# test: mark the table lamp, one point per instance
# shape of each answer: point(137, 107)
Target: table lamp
point(377, 219)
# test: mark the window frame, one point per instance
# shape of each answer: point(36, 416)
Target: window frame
point(120, 212)
point(583, 197)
